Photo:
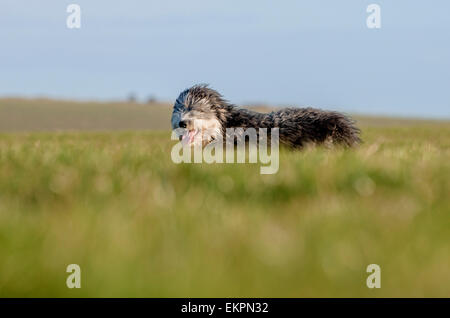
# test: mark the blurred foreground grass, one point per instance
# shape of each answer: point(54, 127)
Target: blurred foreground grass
point(140, 225)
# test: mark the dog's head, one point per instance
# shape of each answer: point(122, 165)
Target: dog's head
point(197, 115)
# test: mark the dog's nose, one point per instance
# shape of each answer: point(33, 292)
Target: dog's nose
point(182, 124)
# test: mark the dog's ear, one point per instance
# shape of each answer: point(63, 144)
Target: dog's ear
point(176, 117)
point(178, 109)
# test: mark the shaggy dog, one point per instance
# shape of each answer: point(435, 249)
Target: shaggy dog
point(204, 115)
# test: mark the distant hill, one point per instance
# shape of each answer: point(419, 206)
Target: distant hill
point(40, 114)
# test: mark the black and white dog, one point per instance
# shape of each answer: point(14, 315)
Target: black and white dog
point(204, 115)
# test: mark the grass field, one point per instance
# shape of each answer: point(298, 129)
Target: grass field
point(141, 226)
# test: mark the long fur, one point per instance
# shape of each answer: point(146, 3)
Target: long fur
point(297, 126)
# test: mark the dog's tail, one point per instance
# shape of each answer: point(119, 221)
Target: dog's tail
point(343, 129)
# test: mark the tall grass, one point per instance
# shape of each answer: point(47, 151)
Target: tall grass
point(140, 225)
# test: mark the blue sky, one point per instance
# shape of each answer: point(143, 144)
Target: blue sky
point(318, 52)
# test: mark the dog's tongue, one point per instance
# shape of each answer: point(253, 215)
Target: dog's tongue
point(188, 137)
